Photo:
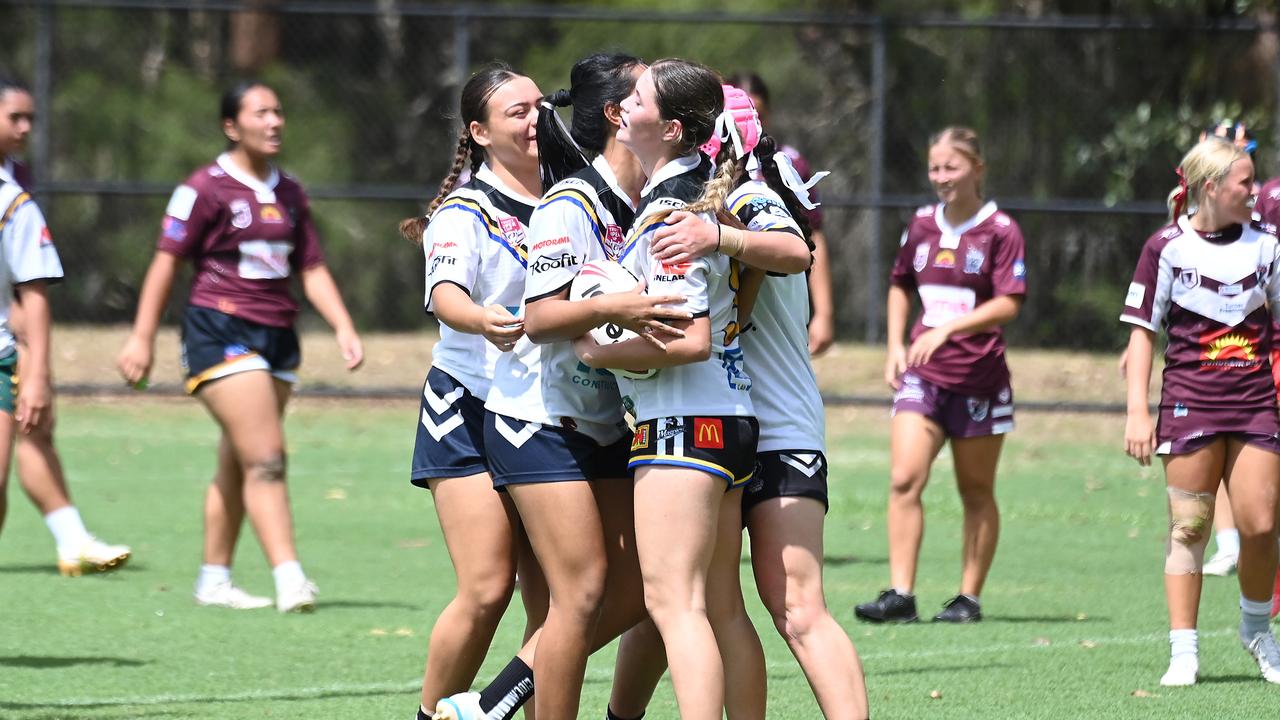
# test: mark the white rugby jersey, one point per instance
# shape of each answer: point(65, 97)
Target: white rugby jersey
point(784, 388)
point(718, 385)
point(581, 218)
point(476, 240)
point(28, 252)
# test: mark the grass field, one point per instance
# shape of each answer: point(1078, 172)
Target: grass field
point(1075, 628)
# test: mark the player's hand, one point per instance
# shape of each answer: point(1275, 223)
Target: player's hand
point(501, 327)
point(352, 349)
point(821, 334)
point(644, 314)
point(894, 367)
point(1139, 437)
point(925, 346)
point(686, 237)
point(33, 408)
point(1123, 364)
point(134, 361)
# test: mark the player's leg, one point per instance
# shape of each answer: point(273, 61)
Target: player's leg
point(745, 678)
point(1192, 479)
point(1226, 537)
point(975, 461)
point(914, 442)
point(676, 523)
point(479, 528)
point(641, 661)
point(1253, 474)
point(786, 556)
point(7, 427)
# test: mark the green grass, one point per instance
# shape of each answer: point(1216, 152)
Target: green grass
point(1075, 626)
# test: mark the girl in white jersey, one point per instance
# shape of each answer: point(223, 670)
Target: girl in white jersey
point(785, 502)
point(474, 238)
point(1210, 280)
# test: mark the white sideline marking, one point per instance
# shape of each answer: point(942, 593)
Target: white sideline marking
point(413, 685)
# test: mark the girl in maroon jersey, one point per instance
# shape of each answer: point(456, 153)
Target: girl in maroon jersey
point(964, 259)
point(246, 228)
point(1208, 280)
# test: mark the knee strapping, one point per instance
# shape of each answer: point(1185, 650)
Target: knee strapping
point(1190, 519)
point(270, 469)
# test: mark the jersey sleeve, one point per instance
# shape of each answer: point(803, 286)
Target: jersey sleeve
point(688, 279)
point(451, 245)
point(1009, 267)
point(28, 246)
point(306, 249)
point(903, 274)
point(763, 213)
point(560, 236)
point(187, 218)
point(1147, 301)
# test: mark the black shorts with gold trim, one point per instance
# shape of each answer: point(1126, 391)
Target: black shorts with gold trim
point(787, 473)
point(215, 345)
point(724, 446)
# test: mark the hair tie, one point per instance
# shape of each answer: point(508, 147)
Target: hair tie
point(796, 184)
point(548, 106)
point(1180, 196)
point(560, 98)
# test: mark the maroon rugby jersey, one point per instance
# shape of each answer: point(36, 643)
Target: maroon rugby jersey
point(954, 270)
point(1210, 293)
point(245, 238)
point(1267, 207)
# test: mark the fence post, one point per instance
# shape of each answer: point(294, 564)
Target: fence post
point(462, 48)
point(42, 86)
point(873, 275)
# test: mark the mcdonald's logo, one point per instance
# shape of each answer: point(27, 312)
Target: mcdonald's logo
point(708, 433)
point(640, 440)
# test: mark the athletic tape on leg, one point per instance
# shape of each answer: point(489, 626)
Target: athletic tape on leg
point(1190, 518)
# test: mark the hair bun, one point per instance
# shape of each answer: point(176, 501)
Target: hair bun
point(560, 98)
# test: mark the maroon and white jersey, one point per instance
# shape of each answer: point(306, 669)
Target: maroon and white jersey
point(954, 270)
point(1267, 207)
point(1209, 292)
point(245, 238)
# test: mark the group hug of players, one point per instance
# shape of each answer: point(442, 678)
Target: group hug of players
point(633, 529)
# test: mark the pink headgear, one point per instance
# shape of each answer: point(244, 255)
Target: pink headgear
point(738, 123)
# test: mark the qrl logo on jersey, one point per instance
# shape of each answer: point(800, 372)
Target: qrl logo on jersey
point(613, 240)
point(708, 433)
point(512, 229)
point(921, 258)
point(241, 214)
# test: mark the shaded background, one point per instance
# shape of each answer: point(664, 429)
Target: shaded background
point(1085, 108)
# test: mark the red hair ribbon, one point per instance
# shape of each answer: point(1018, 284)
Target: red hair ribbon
point(1180, 197)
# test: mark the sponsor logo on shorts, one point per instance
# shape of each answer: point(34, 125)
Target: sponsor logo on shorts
point(671, 429)
point(1004, 395)
point(231, 352)
point(564, 260)
point(641, 439)
point(241, 214)
point(550, 242)
point(1179, 410)
point(945, 260)
point(270, 214)
point(512, 229)
point(708, 433)
point(978, 408)
point(174, 229)
point(973, 259)
point(922, 257)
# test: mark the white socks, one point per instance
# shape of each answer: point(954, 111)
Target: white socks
point(289, 574)
point(1184, 642)
point(212, 576)
point(1228, 541)
point(69, 532)
point(1255, 618)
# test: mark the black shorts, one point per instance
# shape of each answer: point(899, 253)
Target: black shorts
point(787, 473)
point(522, 452)
point(215, 345)
point(450, 440)
point(724, 446)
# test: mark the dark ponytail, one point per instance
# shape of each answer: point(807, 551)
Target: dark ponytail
point(595, 82)
point(473, 107)
point(764, 153)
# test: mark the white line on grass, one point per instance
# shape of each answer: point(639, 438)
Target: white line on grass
point(410, 686)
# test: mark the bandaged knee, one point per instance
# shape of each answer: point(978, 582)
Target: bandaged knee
point(1190, 521)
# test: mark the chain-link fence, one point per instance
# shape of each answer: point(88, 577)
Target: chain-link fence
point(1083, 119)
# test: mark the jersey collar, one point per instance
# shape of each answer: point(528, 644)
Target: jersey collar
point(265, 191)
point(679, 166)
point(602, 166)
point(7, 169)
point(951, 235)
point(491, 178)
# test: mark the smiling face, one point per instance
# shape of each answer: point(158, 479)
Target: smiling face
point(643, 129)
point(17, 112)
point(953, 174)
point(1231, 199)
point(258, 128)
point(509, 132)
